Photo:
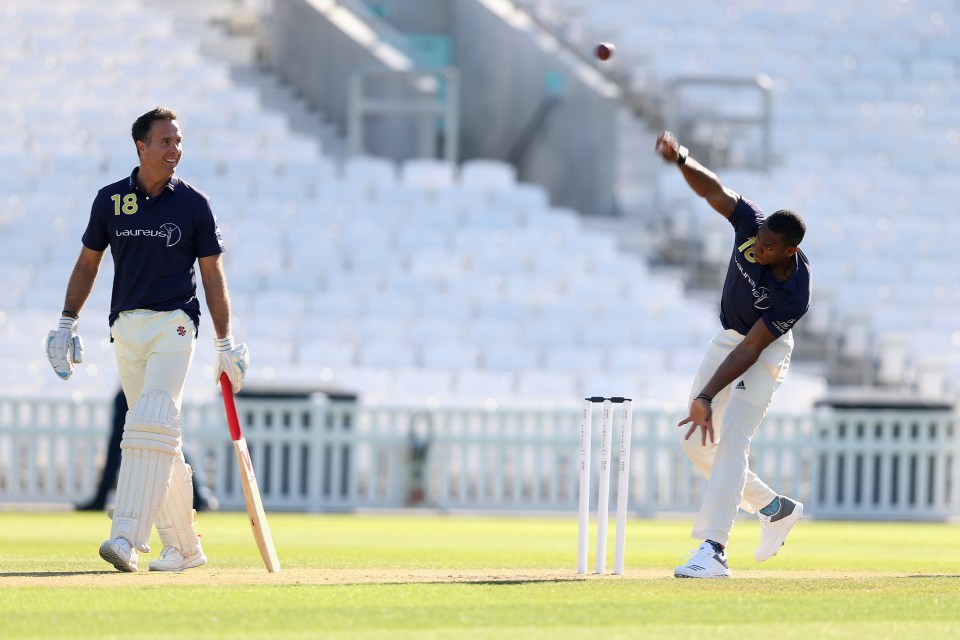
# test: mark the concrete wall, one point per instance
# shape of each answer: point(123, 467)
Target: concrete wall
point(508, 68)
point(416, 16)
point(506, 63)
point(311, 50)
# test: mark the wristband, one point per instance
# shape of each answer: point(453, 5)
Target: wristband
point(682, 158)
point(70, 314)
point(224, 344)
point(705, 398)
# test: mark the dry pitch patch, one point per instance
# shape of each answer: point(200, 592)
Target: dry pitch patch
point(300, 576)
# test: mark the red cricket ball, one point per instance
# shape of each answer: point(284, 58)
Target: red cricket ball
point(604, 50)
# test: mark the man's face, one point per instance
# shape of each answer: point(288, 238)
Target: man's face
point(771, 248)
point(161, 153)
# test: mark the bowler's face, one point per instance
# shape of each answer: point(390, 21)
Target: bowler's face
point(771, 248)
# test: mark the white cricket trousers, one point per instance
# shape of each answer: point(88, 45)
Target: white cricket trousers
point(737, 412)
point(154, 350)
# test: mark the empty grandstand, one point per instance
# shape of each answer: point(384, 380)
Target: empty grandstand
point(544, 256)
point(356, 256)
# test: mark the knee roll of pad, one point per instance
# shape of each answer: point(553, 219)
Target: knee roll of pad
point(151, 441)
point(153, 424)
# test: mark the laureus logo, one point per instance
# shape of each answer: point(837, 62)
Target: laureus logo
point(173, 233)
point(168, 231)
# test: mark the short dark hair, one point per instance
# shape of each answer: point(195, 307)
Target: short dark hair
point(141, 127)
point(787, 224)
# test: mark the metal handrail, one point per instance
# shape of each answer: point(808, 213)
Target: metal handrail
point(424, 102)
point(760, 83)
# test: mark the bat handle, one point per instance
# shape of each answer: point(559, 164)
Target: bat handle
point(230, 407)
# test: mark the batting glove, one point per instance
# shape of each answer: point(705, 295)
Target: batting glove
point(233, 360)
point(64, 347)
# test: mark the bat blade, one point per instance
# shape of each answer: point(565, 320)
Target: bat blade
point(251, 491)
point(255, 512)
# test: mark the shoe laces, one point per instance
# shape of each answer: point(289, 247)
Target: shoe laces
point(168, 551)
point(690, 556)
point(705, 549)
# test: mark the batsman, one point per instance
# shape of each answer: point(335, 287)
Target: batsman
point(156, 227)
point(765, 292)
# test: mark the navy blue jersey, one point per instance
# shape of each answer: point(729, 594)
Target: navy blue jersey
point(750, 291)
point(155, 243)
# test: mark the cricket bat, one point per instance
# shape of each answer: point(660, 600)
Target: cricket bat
point(251, 492)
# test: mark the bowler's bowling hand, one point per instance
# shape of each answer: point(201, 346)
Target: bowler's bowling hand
point(700, 416)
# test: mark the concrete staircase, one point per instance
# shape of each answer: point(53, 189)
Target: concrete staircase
point(232, 32)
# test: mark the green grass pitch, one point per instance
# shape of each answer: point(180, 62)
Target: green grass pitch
point(428, 575)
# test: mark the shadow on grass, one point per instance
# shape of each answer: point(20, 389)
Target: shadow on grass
point(53, 574)
point(513, 581)
point(475, 581)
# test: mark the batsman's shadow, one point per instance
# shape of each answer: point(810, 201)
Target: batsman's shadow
point(53, 574)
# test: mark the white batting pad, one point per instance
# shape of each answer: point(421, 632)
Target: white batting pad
point(175, 519)
point(151, 442)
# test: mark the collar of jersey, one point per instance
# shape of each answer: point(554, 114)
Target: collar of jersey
point(132, 180)
point(791, 283)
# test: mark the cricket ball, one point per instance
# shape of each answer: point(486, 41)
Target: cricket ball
point(604, 51)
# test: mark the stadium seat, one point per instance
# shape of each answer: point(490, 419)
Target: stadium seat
point(453, 305)
point(320, 353)
point(386, 354)
point(525, 198)
point(427, 173)
point(398, 306)
point(493, 331)
point(474, 384)
point(632, 359)
point(413, 286)
point(485, 174)
point(547, 334)
point(370, 172)
point(511, 310)
point(420, 386)
point(574, 359)
point(547, 384)
point(509, 358)
point(381, 328)
point(427, 329)
point(448, 354)
point(436, 261)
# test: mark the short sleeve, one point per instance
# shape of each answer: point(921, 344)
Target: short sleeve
point(208, 239)
point(782, 319)
point(96, 236)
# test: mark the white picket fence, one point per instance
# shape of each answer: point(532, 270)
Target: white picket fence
point(314, 455)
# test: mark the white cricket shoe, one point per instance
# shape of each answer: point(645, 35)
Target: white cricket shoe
point(171, 559)
point(121, 554)
point(704, 562)
point(774, 529)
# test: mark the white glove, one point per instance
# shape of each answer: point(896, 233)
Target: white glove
point(233, 360)
point(64, 347)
